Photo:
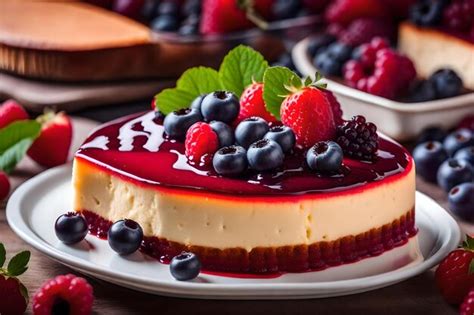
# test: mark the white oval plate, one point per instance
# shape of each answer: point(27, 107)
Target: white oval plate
point(401, 121)
point(34, 207)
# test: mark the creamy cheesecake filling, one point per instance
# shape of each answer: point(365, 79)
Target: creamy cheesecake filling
point(211, 221)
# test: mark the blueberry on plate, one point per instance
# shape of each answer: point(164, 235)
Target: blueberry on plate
point(165, 23)
point(461, 201)
point(339, 51)
point(220, 105)
point(196, 103)
point(177, 123)
point(230, 161)
point(423, 91)
point(224, 132)
point(432, 133)
point(283, 135)
point(454, 172)
point(250, 130)
point(428, 157)
point(185, 266)
point(457, 140)
point(446, 83)
point(467, 154)
point(325, 157)
point(318, 43)
point(265, 155)
point(71, 228)
point(327, 65)
point(125, 236)
point(427, 12)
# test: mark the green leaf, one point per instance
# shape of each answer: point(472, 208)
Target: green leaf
point(241, 67)
point(191, 84)
point(18, 131)
point(12, 156)
point(18, 264)
point(468, 243)
point(276, 84)
point(3, 255)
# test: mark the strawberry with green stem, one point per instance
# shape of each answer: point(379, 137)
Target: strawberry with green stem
point(14, 295)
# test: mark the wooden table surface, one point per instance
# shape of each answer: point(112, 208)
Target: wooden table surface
point(417, 295)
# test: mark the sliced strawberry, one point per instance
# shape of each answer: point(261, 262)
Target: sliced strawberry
point(51, 148)
point(346, 11)
point(252, 104)
point(11, 111)
point(201, 143)
point(4, 186)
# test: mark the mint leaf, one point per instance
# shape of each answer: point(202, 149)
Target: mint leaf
point(276, 84)
point(12, 156)
point(18, 131)
point(191, 84)
point(241, 67)
point(17, 264)
point(3, 255)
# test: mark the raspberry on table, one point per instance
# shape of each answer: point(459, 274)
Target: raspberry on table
point(358, 138)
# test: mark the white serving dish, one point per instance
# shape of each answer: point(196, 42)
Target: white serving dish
point(401, 121)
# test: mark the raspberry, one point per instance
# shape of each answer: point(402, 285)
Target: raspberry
point(335, 29)
point(335, 107)
point(362, 30)
point(11, 111)
point(467, 307)
point(65, 294)
point(346, 11)
point(458, 15)
point(201, 143)
point(252, 104)
point(358, 138)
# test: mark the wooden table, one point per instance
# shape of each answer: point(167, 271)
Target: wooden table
point(415, 296)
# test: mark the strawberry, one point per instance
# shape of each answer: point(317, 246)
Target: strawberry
point(308, 112)
point(252, 104)
point(455, 274)
point(14, 295)
point(335, 107)
point(224, 16)
point(11, 111)
point(4, 186)
point(201, 143)
point(467, 307)
point(51, 148)
point(346, 11)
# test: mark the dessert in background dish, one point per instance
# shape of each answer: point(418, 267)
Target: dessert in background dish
point(236, 167)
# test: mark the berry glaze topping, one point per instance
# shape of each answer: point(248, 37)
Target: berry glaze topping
point(136, 148)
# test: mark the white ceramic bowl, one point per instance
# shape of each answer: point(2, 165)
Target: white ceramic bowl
point(402, 121)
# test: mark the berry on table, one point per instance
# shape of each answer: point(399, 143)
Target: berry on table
point(461, 201)
point(265, 155)
point(220, 105)
point(224, 132)
point(427, 12)
point(252, 104)
point(453, 172)
point(358, 138)
point(446, 83)
point(467, 154)
point(230, 161)
point(64, 294)
point(11, 111)
point(457, 140)
point(4, 185)
point(467, 306)
point(71, 228)
point(283, 135)
point(177, 123)
point(125, 236)
point(325, 157)
point(185, 266)
point(250, 130)
point(428, 157)
point(200, 144)
point(454, 276)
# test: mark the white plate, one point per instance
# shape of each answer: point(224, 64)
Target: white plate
point(401, 121)
point(33, 208)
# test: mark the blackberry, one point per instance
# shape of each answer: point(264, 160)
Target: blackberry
point(358, 138)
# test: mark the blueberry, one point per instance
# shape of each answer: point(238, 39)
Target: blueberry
point(168, 8)
point(176, 124)
point(188, 29)
point(318, 43)
point(165, 23)
point(446, 83)
point(196, 104)
point(284, 9)
point(423, 91)
point(191, 7)
point(427, 12)
point(457, 140)
point(220, 105)
point(224, 132)
point(454, 172)
point(71, 228)
point(125, 236)
point(461, 201)
point(325, 157)
point(283, 135)
point(328, 65)
point(339, 51)
point(230, 161)
point(428, 157)
point(467, 154)
point(150, 9)
point(433, 133)
point(250, 130)
point(185, 266)
point(265, 155)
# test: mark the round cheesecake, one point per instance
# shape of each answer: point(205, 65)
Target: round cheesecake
point(291, 219)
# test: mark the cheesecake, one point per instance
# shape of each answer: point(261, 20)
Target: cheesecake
point(289, 220)
point(434, 48)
